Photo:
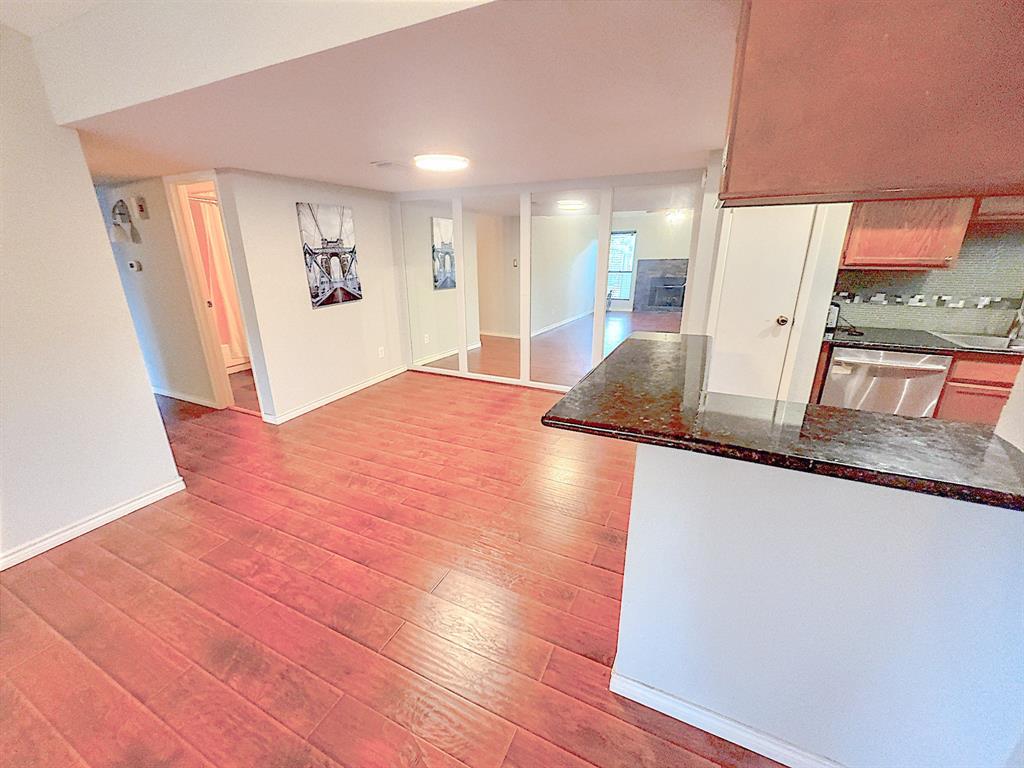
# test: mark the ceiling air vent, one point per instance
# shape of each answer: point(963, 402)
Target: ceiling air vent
point(388, 165)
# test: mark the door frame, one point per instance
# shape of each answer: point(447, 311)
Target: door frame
point(212, 354)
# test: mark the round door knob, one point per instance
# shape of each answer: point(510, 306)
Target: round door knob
point(782, 320)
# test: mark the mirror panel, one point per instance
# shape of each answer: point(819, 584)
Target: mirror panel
point(648, 258)
point(490, 230)
point(563, 268)
point(431, 273)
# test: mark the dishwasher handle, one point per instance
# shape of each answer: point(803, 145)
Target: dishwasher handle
point(891, 364)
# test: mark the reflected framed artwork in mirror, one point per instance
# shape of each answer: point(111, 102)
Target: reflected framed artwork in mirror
point(442, 253)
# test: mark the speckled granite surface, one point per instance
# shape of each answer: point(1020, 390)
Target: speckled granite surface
point(903, 340)
point(651, 390)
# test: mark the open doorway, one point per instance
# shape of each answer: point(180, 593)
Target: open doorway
point(204, 247)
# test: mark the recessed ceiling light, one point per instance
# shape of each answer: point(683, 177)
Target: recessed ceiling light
point(675, 214)
point(443, 163)
point(571, 205)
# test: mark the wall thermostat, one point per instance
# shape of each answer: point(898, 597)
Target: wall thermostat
point(134, 266)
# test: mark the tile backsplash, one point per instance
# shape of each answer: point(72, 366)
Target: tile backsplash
point(979, 294)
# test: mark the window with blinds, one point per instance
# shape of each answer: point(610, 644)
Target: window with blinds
point(620, 264)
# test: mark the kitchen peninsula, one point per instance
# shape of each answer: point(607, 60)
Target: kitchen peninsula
point(821, 585)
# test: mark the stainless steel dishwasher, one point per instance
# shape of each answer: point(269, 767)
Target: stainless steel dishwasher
point(904, 383)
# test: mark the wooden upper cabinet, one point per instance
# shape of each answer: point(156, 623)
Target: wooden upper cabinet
point(906, 234)
point(834, 100)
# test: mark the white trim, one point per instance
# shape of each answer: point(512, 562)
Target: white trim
point(724, 727)
point(500, 335)
point(560, 323)
point(525, 313)
point(433, 358)
point(294, 412)
point(604, 240)
point(69, 532)
point(459, 244)
point(187, 398)
point(817, 281)
point(210, 341)
point(239, 367)
point(441, 355)
point(489, 378)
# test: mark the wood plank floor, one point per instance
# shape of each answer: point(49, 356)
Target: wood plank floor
point(562, 355)
point(417, 575)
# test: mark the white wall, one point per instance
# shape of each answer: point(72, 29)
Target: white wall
point(82, 441)
point(498, 280)
point(304, 357)
point(163, 48)
point(875, 627)
point(433, 315)
point(563, 264)
point(656, 238)
point(158, 296)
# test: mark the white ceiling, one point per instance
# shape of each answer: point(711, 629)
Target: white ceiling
point(32, 17)
point(625, 199)
point(528, 90)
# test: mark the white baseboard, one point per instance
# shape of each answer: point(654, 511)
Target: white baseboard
point(724, 727)
point(69, 532)
point(560, 323)
point(500, 335)
point(439, 356)
point(187, 398)
point(294, 412)
point(239, 367)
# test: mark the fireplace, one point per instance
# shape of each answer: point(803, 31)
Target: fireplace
point(666, 293)
point(660, 285)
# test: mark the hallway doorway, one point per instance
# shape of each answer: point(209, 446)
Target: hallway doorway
point(204, 246)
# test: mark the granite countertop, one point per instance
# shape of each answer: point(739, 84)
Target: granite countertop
point(905, 340)
point(651, 389)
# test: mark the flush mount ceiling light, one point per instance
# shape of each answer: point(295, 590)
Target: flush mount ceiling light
point(571, 205)
point(675, 214)
point(443, 163)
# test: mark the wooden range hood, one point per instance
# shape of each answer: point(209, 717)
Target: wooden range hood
point(838, 100)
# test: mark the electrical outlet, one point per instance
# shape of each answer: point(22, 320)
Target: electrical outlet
point(426, 338)
point(380, 352)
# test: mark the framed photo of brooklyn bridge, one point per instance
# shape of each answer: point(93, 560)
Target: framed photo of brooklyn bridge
point(442, 253)
point(329, 253)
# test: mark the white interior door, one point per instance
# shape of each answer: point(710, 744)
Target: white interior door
point(764, 251)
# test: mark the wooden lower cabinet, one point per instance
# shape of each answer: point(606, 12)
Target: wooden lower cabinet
point(977, 403)
point(977, 387)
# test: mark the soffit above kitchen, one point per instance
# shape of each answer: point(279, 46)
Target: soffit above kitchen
point(529, 91)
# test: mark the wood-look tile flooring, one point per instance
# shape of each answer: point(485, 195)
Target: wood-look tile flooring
point(243, 388)
point(417, 575)
point(562, 355)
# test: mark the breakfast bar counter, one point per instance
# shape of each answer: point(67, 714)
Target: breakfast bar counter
point(823, 586)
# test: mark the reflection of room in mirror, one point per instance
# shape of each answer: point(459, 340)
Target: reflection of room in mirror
point(430, 263)
point(442, 253)
point(329, 251)
point(490, 267)
point(563, 279)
